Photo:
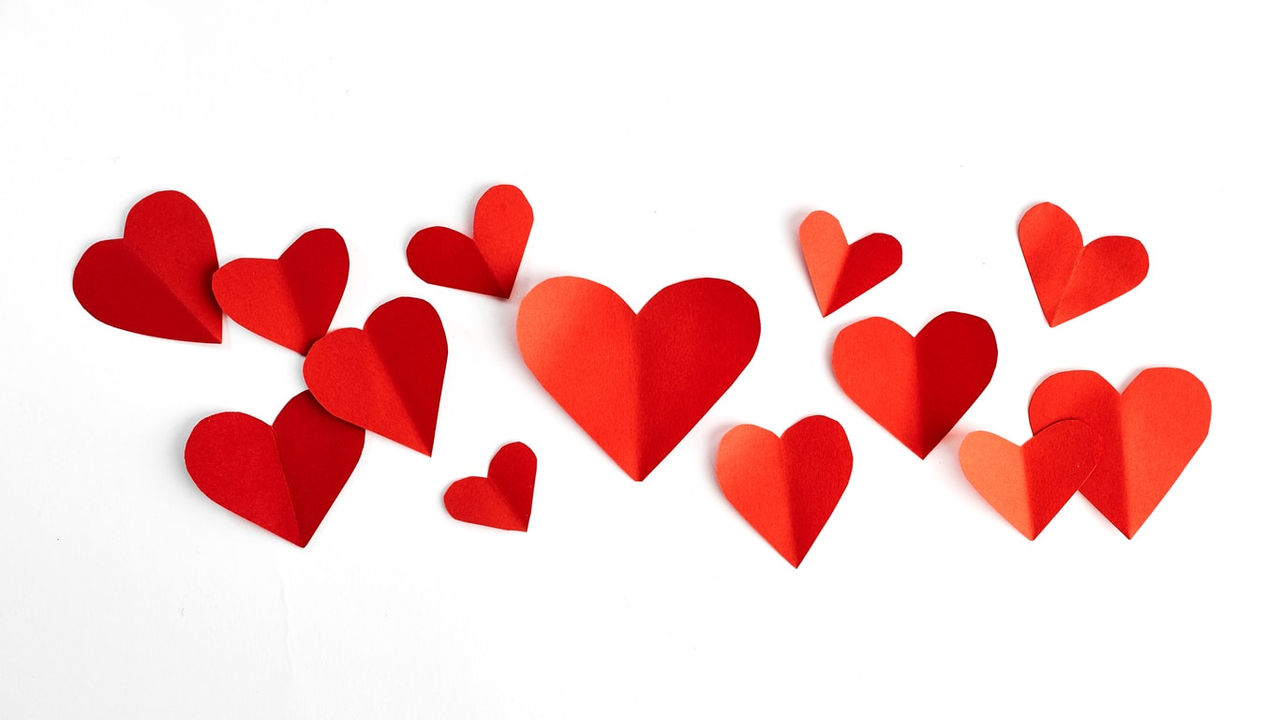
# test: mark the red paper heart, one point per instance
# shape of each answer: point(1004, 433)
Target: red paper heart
point(156, 279)
point(839, 271)
point(1072, 278)
point(281, 477)
point(387, 377)
point(289, 301)
point(637, 383)
point(916, 388)
point(1148, 434)
point(1028, 485)
point(487, 264)
point(786, 488)
point(502, 500)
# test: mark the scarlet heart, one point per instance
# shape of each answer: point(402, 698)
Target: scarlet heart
point(839, 271)
point(503, 499)
point(156, 279)
point(387, 377)
point(486, 264)
point(1028, 485)
point(786, 488)
point(289, 301)
point(1072, 278)
point(281, 477)
point(1148, 434)
point(637, 383)
point(916, 388)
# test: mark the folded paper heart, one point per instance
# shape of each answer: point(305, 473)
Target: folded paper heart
point(1147, 434)
point(486, 263)
point(501, 500)
point(1072, 278)
point(387, 377)
point(289, 301)
point(840, 271)
point(156, 279)
point(637, 383)
point(787, 487)
point(916, 388)
point(281, 477)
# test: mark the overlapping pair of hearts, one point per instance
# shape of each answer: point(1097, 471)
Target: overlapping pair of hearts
point(637, 383)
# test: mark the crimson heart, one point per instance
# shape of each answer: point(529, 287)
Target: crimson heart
point(502, 500)
point(486, 263)
point(840, 271)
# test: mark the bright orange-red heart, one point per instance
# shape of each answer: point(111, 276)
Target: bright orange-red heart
point(916, 388)
point(1028, 485)
point(637, 383)
point(487, 264)
point(840, 271)
point(787, 487)
point(1147, 434)
point(1072, 278)
point(501, 500)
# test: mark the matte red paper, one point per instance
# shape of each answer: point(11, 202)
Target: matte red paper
point(501, 500)
point(281, 477)
point(1072, 278)
point(1028, 485)
point(289, 301)
point(486, 264)
point(387, 377)
point(787, 487)
point(840, 271)
point(1148, 434)
point(637, 383)
point(916, 388)
point(155, 280)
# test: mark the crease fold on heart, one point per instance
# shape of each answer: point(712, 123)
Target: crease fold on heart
point(840, 271)
point(487, 261)
point(503, 498)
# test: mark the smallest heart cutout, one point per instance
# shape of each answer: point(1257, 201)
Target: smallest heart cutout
point(840, 271)
point(487, 262)
point(503, 499)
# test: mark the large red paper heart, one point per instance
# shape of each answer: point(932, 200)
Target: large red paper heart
point(637, 383)
point(156, 279)
point(1072, 278)
point(486, 264)
point(1028, 485)
point(289, 301)
point(282, 477)
point(787, 487)
point(1148, 434)
point(387, 377)
point(916, 388)
point(502, 500)
point(840, 271)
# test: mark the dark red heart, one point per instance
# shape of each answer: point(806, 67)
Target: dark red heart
point(840, 271)
point(485, 264)
point(501, 500)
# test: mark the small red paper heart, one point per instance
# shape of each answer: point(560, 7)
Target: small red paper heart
point(787, 487)
point(916, 388)
point(1072, 278)
point(1147, 434)
point(637, 383)
point(387, 377)
point(486, 264)
point(289, 301)
point(156, 279)
point(839, 271)
point(281, 477)
point(1028, 485)
point(502, 500)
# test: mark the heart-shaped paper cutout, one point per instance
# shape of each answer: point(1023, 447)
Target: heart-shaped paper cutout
point(1072, 278)
point(156, 279)
point(1147, 434)
point(387, 377)
point(1028, 485)
point(787, 487)
point(637, 383)
point(501, 500)
point(840, 271)
point(485, 264)
point(281, 477)
point(916, 388)
point(289, 301)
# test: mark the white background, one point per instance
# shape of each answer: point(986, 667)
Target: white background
point(656, 143)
